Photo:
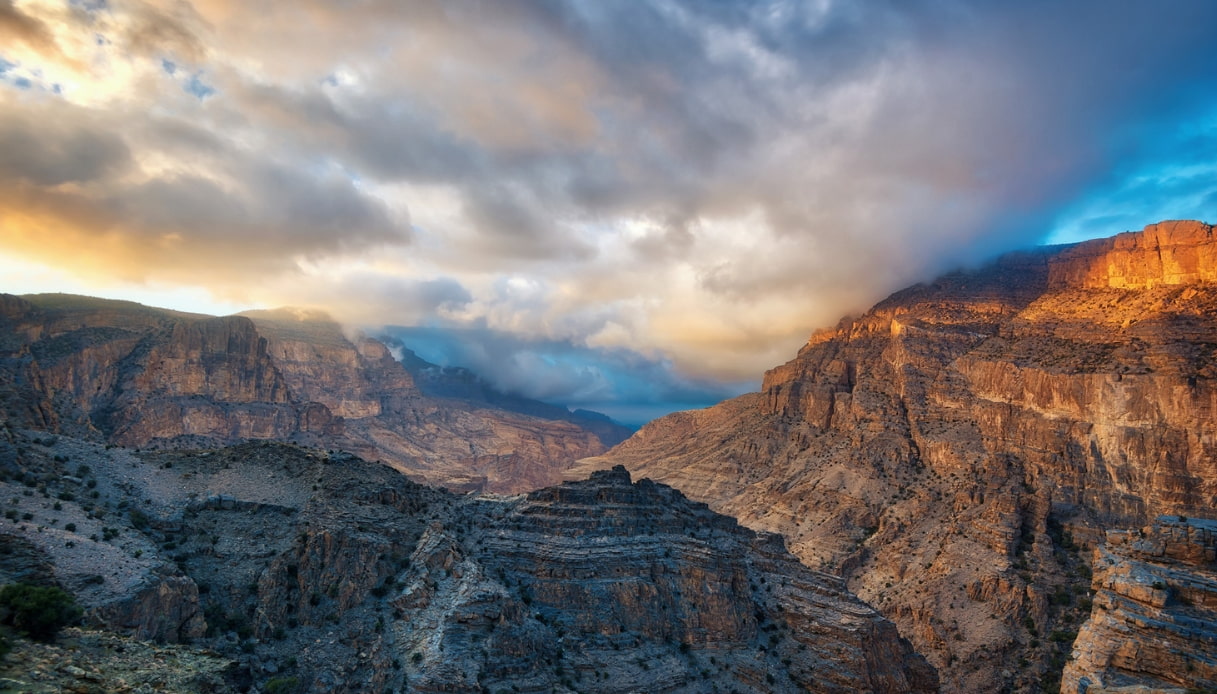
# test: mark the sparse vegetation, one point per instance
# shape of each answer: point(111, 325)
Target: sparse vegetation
point(281, 685)
point(38, 611)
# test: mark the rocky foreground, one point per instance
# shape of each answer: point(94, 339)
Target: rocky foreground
point(282, 568)
point(958, 451)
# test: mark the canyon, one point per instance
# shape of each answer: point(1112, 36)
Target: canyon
point(1000, 480)
point(956, 452)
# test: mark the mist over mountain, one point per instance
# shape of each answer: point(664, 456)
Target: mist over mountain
point(138, 376)
point(622, 384)
point(1013, 463)
point(701, 184)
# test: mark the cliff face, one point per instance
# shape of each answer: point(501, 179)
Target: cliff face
point(142, 377)
point(1154, 623)
point(970, 433)
point(1166, 254)
point(342, 575)
point(623, 586)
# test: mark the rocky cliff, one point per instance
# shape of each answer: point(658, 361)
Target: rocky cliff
point(952, 450)
point(297, 569)
point(140, 377)
point(1154, 623)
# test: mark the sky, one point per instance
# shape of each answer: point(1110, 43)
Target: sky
point(632, 206)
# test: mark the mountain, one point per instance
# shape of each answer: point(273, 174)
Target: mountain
point(137, 376)
point(288, 568)
point(959, 451)
point(461, 384)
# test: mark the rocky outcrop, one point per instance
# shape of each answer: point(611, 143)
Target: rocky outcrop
point(321, 365)
point(1154, 623)
point(329, 573)
point(949, 450)
point(609, 586)
point(139, 377)
point(1170, 253)
point(85, 661)
point(164, 608)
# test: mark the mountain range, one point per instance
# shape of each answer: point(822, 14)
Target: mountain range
point(1000, 480)
point(138, 377)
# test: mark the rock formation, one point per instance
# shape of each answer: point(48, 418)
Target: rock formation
point(320, 572)
point(140, 377)
point(951, 450)
point(1154, 623)
point(607, 585)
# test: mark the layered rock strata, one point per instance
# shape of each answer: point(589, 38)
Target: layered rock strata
point(607, 585)
point(1154, 623)
point(949, 450)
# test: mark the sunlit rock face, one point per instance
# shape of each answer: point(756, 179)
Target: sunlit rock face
point(950, 451)
point(1154, 622)
point(139, 377)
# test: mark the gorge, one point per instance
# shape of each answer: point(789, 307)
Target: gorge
point(1001, 480)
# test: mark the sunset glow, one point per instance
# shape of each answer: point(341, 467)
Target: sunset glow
point(689, 187)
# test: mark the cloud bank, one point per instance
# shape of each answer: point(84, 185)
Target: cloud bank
point(699, 185)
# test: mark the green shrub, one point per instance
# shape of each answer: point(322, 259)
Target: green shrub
point(281, 685)
point(39, 612)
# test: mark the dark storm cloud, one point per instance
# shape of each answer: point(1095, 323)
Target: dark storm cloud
point(48, 153)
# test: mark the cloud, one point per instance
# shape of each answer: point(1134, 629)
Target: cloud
point(20, 27)
point(700, 184)
point(51, 153)
point(151, 198)
point(618, 382)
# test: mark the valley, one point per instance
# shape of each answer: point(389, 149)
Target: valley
point(1001, 480)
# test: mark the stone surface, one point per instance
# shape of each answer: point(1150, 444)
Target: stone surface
point(90, 662)
point(1154, 624)
point(164, 608)
point(949, 450)
point(608, 586)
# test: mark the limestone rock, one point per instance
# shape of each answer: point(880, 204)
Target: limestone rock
point(336, 574)
point(609, 586)
point(1154, 624)
point(165, 608)
point(949, 450)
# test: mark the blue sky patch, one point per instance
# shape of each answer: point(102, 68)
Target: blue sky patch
point(197, 87)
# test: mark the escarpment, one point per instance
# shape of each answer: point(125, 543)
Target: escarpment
point(954, 451)
point(335, 574)
point(142, 377)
